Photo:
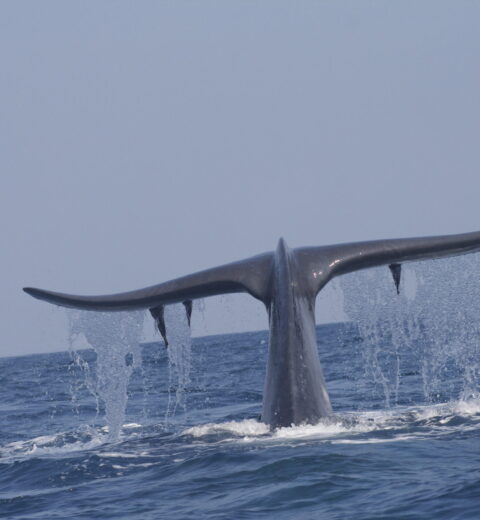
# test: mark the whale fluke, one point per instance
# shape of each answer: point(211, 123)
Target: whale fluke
point(396, 270)
point(251, 276)
point(287, 281)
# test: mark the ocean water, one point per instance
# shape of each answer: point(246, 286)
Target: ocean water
point(123, 430)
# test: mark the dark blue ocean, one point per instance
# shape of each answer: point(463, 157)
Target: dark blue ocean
point(144, 432)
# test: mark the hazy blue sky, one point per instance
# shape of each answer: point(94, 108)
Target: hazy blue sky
point(140, 141)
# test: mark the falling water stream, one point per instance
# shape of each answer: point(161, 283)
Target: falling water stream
point(179, 357)
point(437, 313)
point(115, 337)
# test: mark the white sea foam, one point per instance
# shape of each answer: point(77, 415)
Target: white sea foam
point(237, 428)
point(369, 427)
point(47, 447)
point(120, 455)
point(397, 438)
point(64, 443)
point(342, 427)
point(444, 411)
point(131, 425)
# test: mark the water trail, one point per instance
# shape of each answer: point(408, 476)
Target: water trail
point(200, 311)
point(199, 306)
point(115, 337)
point(448, 307)
point(435, 322)
point(179, 356)
point(371, 302)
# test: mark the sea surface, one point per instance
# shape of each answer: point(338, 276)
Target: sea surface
point(127, 430)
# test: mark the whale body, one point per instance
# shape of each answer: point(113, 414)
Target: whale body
point(287, 281)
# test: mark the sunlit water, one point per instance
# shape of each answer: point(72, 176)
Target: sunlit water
point(129, 431)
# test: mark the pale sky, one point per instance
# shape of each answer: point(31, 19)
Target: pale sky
point(141, 141)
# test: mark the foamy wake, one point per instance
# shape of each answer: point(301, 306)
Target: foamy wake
point(398, 424)
point(61, 443)
point(348, 428)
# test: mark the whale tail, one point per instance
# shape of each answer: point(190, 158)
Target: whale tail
point(315, 266)
point(287, 282)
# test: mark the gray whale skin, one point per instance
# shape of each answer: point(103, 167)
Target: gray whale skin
point(287, 281)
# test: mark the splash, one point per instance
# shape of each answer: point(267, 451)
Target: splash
point(434, 323)
point(179, 357)
point(247, 427)
point(368, 427)
point(115, 337)
point(371, 302)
